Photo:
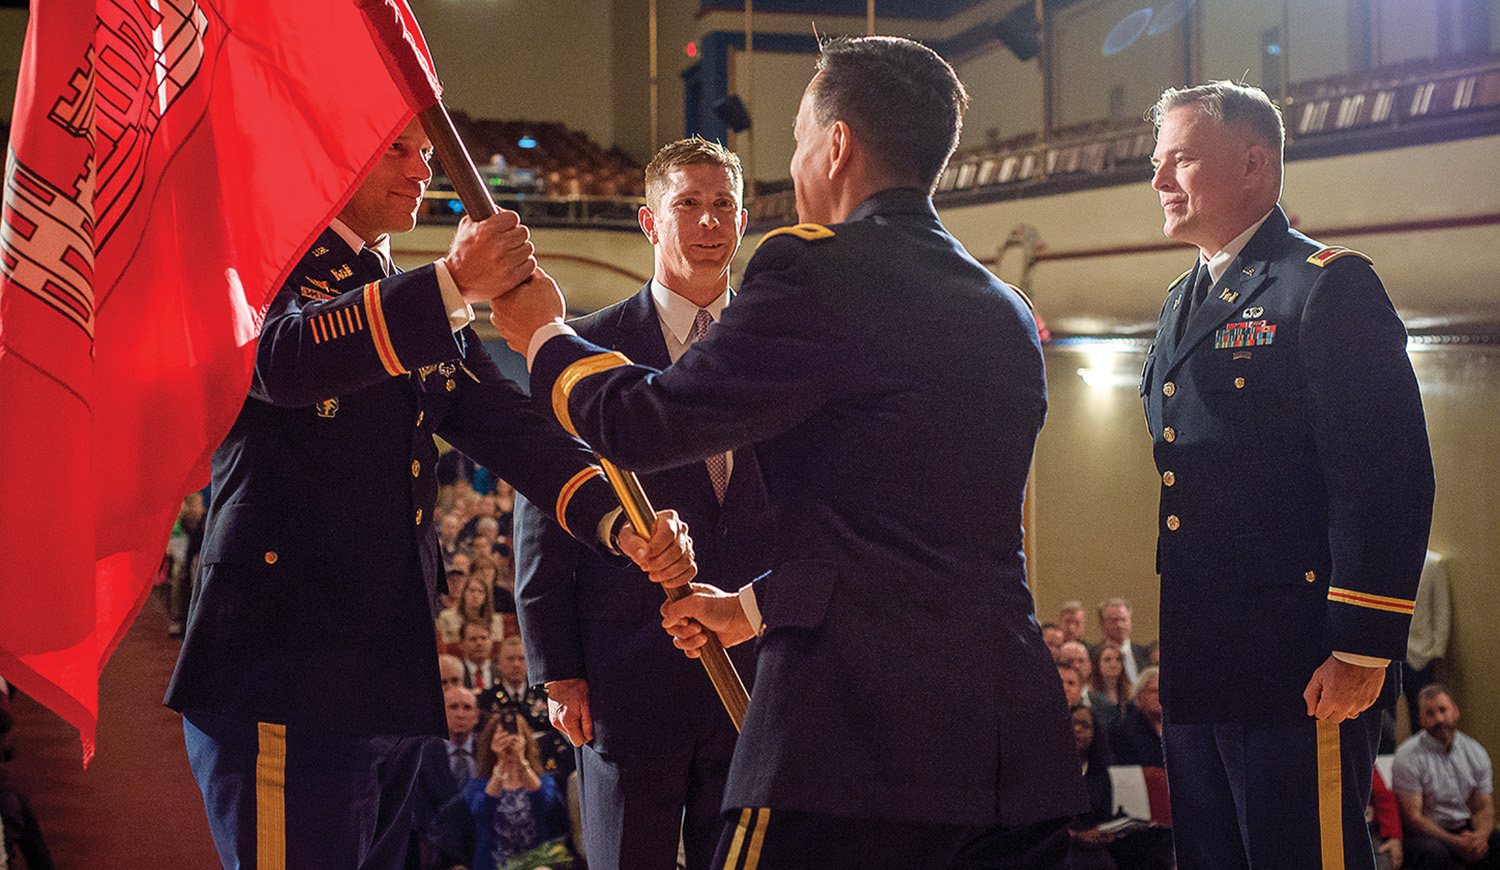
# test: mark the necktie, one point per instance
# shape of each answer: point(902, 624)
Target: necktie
point(373, 261)
point(1202, 281)
point(461, 764)
point(718, 465)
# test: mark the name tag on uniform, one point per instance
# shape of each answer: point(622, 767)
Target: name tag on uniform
point(1245, 333)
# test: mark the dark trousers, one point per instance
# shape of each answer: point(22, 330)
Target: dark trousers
point(1287, 795)
point(294, 798)
point(763, 839)
point(1422, 852)
point(634, 806)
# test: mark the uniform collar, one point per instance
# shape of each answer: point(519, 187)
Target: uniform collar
point(894, 200)
point(356, 244)
point(678, 313)
point(1218, 264)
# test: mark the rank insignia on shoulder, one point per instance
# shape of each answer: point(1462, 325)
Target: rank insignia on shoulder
point(1333, 252)
point(805, 232)
point(327, 408)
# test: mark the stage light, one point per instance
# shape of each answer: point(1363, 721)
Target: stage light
point(526, 142)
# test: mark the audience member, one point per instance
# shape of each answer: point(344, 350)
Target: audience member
point(450, 670)
point(1136, 737)
point(448, 529)
point(1073, 620)
point(474, 605)
point(463, 718)
point(1072, 683)
point(1443, 783)
point(460, 563)
point(1383, 816)
point(517, 810)
point(486, 532)
point(453, 588)
point(186, 541)
point(1087, 850)
point(1075, 653)
point(1114, 620)
point(477, 644)
point(1111, 687)
point(511, 692)
point(1052, 636)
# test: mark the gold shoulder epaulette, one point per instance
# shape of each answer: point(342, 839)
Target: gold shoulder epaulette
point(805, 232)
point(1333, 252)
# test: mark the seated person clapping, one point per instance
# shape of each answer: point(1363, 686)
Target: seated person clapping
point(518, 811)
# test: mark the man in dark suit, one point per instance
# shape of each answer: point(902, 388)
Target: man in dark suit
point(1115, 623)
point(307, 680)
point(905, 712)
point(1295, 503)
point(654, 740)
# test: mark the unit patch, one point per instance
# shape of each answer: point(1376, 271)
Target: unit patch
point(328, 408)
point(1248, 333)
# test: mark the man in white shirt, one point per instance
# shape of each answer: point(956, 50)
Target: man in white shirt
point(1443, 783)
point(653, 739)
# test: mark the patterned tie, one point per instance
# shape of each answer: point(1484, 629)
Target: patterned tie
point(718, 465)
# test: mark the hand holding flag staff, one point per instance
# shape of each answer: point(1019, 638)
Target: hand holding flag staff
point(395, 30)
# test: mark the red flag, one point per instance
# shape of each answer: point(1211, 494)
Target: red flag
point(169, 163)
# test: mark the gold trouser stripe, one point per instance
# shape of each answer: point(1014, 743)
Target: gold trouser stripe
point(270, 798)
point(563, 386)
point(754, 821)
point(1330, 795)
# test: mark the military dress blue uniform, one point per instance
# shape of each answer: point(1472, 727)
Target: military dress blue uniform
point(893, 390)
point(1296, 499)
point(662, 739)
point(311, 626)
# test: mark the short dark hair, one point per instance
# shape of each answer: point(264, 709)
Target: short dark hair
point(692, 151)
point(902, 100)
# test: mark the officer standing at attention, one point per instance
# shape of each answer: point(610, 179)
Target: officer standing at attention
point(307, 680)
point(1296, 497)
point(892, 390)
point(653, 739)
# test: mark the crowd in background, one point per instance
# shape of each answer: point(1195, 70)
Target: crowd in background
point(501, 790)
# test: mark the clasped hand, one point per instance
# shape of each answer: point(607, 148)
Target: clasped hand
point(489, 257)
